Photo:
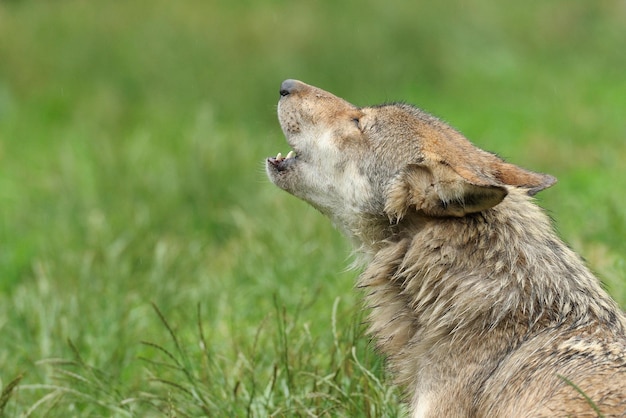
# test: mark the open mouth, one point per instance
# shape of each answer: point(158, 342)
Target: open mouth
point(281, 163)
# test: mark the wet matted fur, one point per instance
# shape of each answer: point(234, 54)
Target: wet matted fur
point(479, 307)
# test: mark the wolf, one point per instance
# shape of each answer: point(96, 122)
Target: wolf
point(477, 305)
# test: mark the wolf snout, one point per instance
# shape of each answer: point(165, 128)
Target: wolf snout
point(288, 87)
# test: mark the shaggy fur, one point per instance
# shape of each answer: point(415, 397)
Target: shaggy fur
point(479, 307)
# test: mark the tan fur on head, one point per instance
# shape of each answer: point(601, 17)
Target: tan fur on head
point(477, 305)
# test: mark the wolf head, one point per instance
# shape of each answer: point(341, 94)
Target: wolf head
point(390, 161)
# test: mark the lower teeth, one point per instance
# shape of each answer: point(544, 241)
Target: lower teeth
point(279, 156)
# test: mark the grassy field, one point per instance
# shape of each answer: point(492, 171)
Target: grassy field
point(148, 268)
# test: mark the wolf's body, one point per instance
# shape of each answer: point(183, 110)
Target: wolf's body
point(479, 307)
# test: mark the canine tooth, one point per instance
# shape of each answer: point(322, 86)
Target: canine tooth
point(279, 156)
point(291, 154)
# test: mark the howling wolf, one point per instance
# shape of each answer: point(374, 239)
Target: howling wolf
point(479, 307)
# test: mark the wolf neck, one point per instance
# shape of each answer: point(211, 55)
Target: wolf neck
point(501, 273)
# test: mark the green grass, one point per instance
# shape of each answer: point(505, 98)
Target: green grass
point(132, 139)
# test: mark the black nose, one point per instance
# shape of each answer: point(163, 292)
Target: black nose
point(287, 87)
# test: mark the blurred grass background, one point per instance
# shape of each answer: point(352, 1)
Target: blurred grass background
point(132, 140)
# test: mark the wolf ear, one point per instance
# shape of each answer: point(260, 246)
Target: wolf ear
point(516, 176)
point(439, 189)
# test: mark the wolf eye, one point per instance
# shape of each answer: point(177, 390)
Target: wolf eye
point(356, 122)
